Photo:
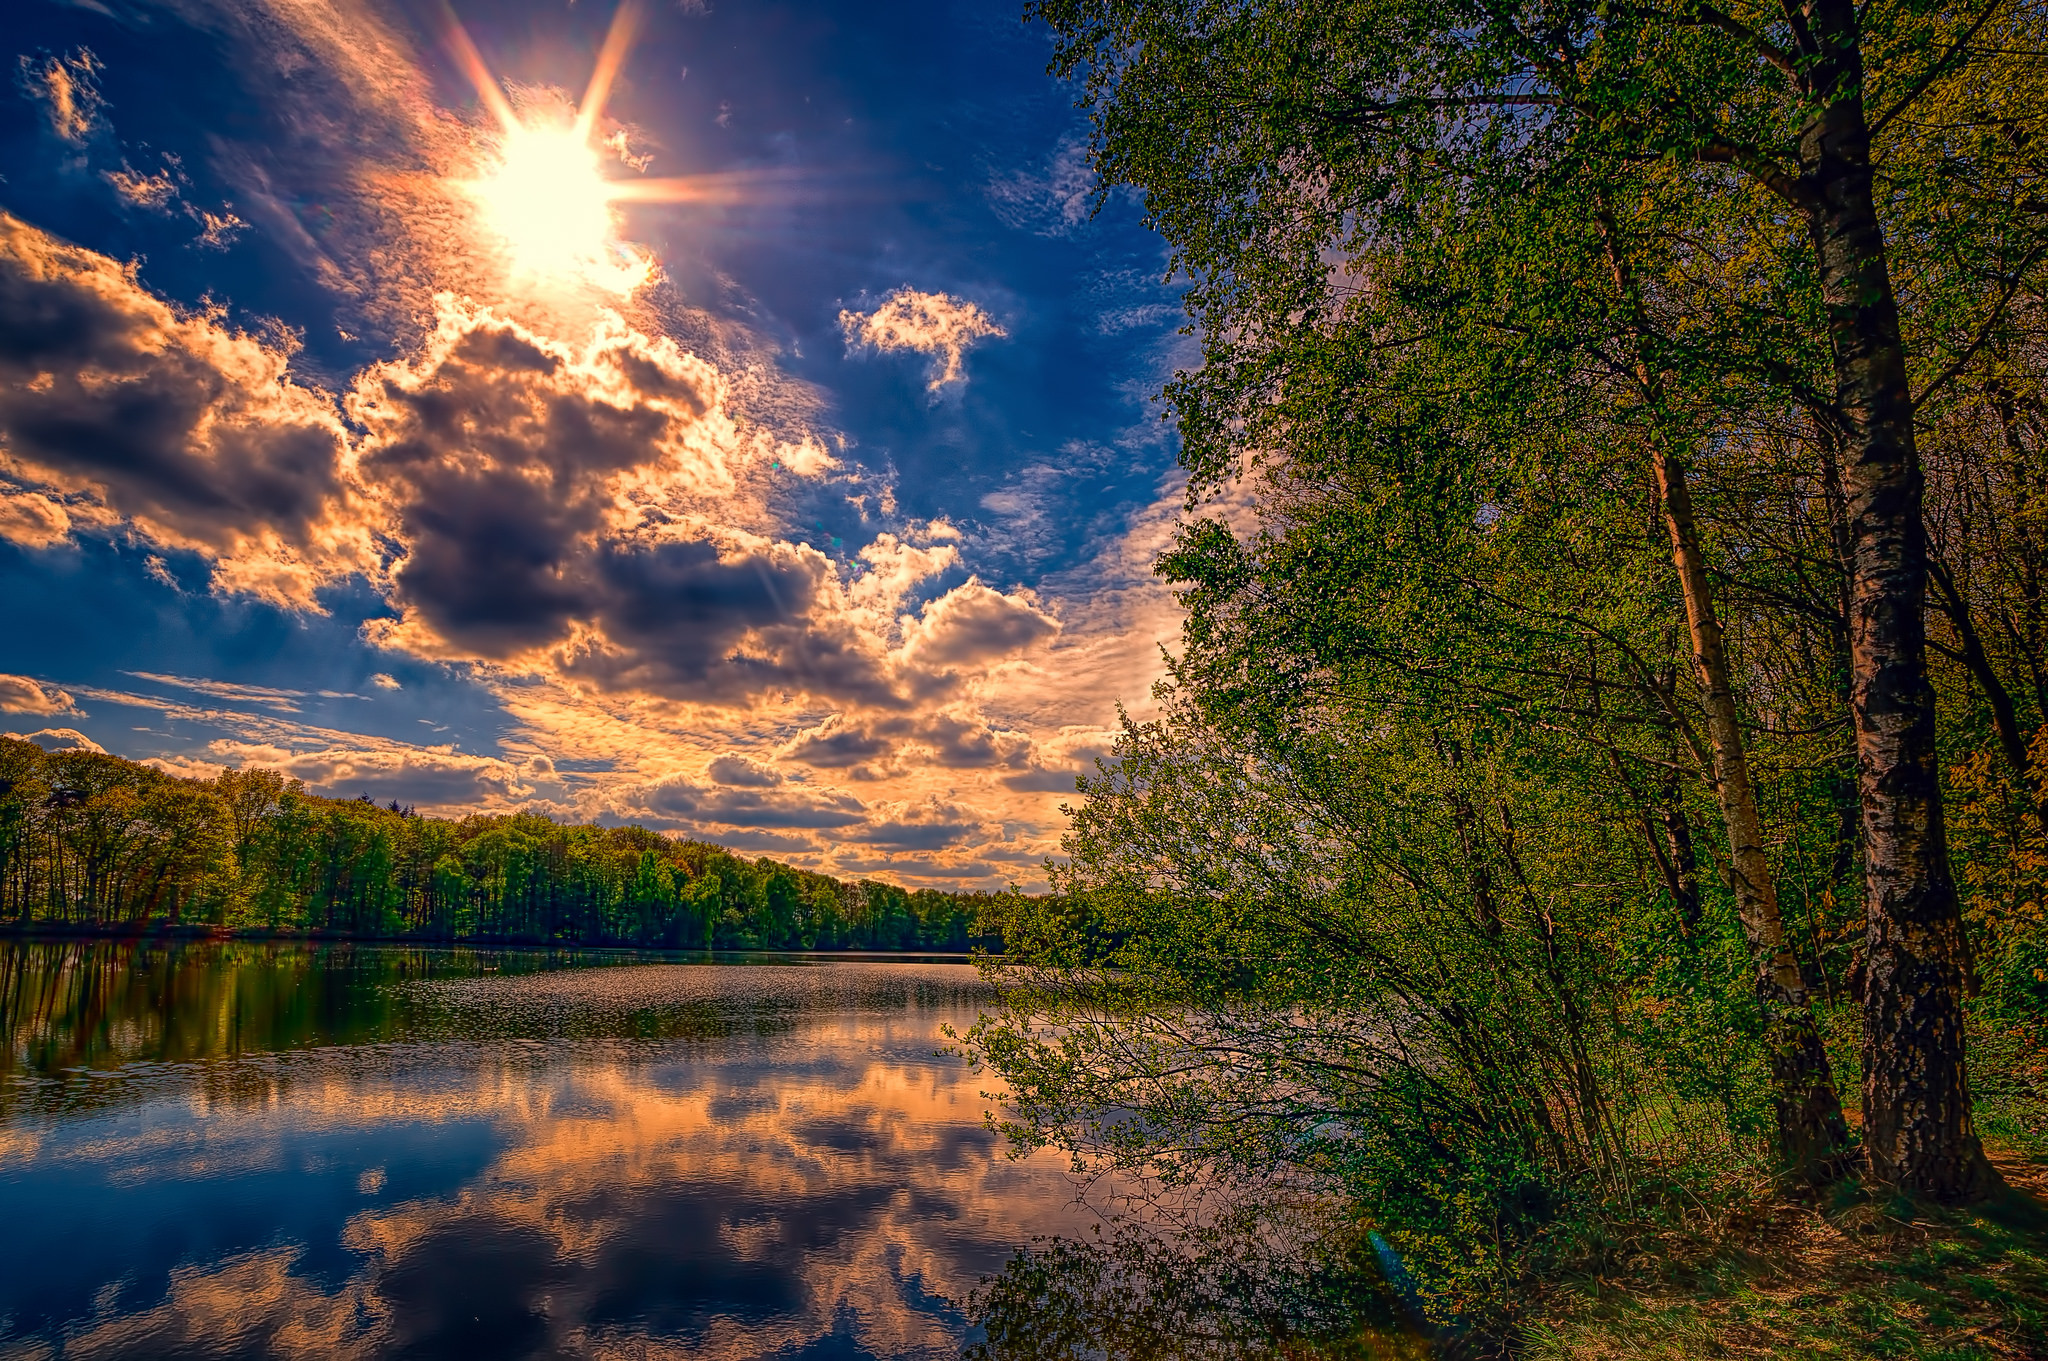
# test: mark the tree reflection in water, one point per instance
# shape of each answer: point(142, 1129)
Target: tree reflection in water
point(1135, 1295)
point(328, 1152)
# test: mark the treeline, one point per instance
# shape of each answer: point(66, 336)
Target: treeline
point(92, 840)
point(1606, 762)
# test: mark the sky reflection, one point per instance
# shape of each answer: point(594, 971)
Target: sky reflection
point(814, 1181)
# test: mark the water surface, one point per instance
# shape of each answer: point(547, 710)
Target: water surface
point(349, 1151)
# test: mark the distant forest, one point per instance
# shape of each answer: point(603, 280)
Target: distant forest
point(91, 840)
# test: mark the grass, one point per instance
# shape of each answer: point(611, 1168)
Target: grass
point(1853, 1279)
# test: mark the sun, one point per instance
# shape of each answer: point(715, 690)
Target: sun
point(544, 198)
point(549, 204)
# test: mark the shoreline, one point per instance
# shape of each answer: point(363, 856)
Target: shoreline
point(186, 933)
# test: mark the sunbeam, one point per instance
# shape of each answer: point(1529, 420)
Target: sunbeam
point(546, 199)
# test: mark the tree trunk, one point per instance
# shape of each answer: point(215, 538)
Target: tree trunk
point(1812, 1135)
point(1916, 1105)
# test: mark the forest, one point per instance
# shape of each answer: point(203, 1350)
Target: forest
point(89, 840)
point(1600, 796)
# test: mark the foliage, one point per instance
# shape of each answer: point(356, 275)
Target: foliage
point(1421, 891)
point(88, 839)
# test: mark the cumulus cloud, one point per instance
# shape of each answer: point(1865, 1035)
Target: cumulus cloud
point(21, 695)
point(194, 432)
point(67, 87)
point(591, 509)
point(877, 747)
point(680, 801)
point(435, 777)
point(32, 519)
point(501, 458)
point(64, 739)
point(973, 624)
point(931, 825)
point(744, 772)
point(936, 324)
point(838, 743)
point(595, 510)
point(1060, 759)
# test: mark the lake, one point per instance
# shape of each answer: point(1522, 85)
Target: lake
point(244, 1150)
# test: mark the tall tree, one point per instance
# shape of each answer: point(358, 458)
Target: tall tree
point(1275, 143)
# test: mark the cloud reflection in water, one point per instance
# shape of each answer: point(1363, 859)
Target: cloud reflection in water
point(815, 1180)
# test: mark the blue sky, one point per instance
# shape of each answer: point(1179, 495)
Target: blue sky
point(811, 513)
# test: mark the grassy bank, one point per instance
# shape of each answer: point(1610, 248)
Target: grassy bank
point(1854, 1278)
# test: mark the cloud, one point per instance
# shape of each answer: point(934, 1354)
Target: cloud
point(837, 743)
point(193, 432)
point(218, 230)
point(286, 700)
point(972, 625)
point(678, 800)
point(1058, 760)
point(588, 500)
point(1053, 202)
point(137, 190)
point(435, 777)
point(594, 511)
point(743, 771)
point(590, 509)
point(20, 695)
point(879, 747)
point(68, 90)
point(931, 825)
point(929, 323)
point(32, 519)
point(64, 739)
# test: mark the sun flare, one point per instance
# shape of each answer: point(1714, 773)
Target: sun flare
point(544, 196)
point(548, 202)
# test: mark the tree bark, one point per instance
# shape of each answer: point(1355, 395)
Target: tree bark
point(1813, 1137)
point(1917, 1122)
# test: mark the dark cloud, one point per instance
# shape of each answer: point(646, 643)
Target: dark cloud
point(492, 455)
point(744, 772)
point(691, 617)
point(193, 430)
point(536, 489)
point(929, 826)
point(1041, 780)
point(836, 744)
point(953, 741)
point(684, 800)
